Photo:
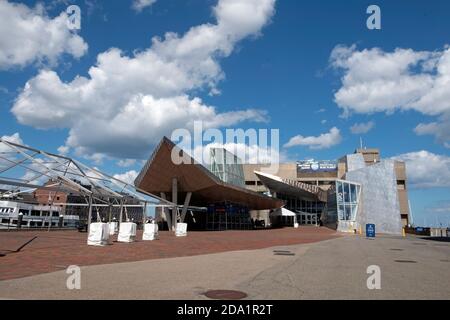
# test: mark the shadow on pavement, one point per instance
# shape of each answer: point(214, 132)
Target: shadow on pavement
point(440, 239)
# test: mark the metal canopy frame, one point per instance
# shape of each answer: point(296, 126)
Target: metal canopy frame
point(24, 169)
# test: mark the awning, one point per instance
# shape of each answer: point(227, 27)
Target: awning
point(284, 212)
point(292, 188)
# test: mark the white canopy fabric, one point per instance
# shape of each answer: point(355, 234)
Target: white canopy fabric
point(284, 212)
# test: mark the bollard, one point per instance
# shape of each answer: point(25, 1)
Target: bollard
point(403, 232)
point(19, 220)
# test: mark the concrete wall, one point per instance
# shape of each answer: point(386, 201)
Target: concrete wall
point(379, 201)
point(355, 161)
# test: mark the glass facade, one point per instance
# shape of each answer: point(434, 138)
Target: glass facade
point(308, 212)
point(227, 167)
point(228, 216)
point(347, 199)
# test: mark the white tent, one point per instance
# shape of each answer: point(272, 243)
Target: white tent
point(285, 213)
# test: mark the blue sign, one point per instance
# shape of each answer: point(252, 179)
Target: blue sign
point(370, 230)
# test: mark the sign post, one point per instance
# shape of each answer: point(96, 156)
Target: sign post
point(370, 230)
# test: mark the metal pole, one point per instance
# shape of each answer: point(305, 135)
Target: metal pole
point(120, 213)
point(110, 213)
point(89, 214)
point(175, 202)
point(144, 214)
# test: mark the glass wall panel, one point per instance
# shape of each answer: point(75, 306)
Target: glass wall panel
point(347, 192)
point(352, 193)
point(347, 200)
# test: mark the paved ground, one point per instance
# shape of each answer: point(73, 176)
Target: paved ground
point(331, 269)
point(56, 250)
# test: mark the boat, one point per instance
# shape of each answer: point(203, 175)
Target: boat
point(34, 216)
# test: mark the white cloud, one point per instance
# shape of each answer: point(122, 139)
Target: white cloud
point(14, 138)
point(128, 102)
point(28, 36)
point(140, 5)
point(361, 128)
point(426, 170)
point(323, 141)
point(125, 163)
point(6, 151)
point(441, 207)
point(128, 176)
point(63, 150)
point(377, 81)
point(9, 155)
point(440, 129)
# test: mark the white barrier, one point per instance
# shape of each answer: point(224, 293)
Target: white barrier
point(112, 228)
point(98, 234)
point(127, 232)
point(181, 230)
point(150, 231)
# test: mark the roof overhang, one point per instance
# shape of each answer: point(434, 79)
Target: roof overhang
point(158, 174)
point(291, 188)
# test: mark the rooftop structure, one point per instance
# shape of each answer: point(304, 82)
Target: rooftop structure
point(191, 184)
point(24, 170)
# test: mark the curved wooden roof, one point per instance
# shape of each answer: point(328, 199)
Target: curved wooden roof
point(157, 174)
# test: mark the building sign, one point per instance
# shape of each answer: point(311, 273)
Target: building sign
point(316, 166)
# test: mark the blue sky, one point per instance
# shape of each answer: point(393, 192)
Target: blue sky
point(280, 67)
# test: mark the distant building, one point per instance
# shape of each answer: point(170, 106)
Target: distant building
point(358, 188)
point(346, 194)
point(73, 204)
point(213, 198)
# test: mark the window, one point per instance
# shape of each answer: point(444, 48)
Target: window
point(347, 200)
point(35, 213)
point(401, 185)
point(55, 214)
